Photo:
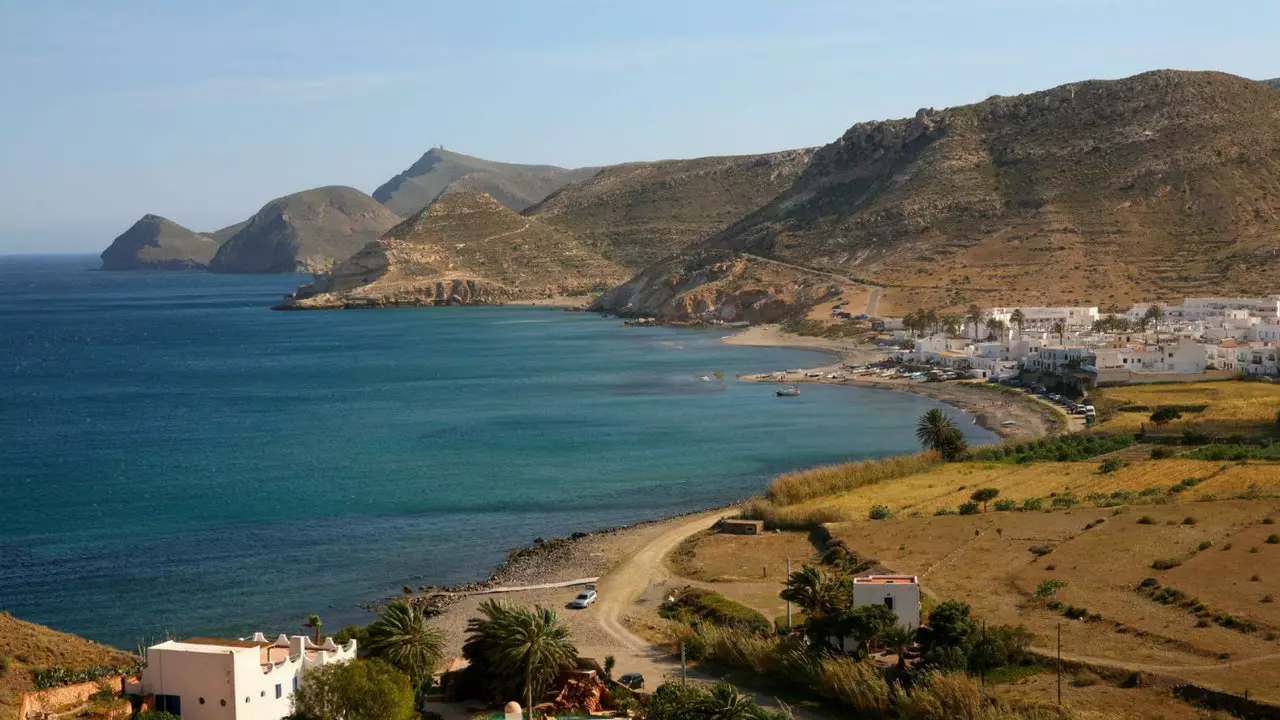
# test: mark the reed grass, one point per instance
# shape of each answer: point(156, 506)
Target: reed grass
point(803, 485)
point(790, 518)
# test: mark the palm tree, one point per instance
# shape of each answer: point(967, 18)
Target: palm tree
point(314, 622)
point(974, 315)
point(930, 318)
point(952, 324)
point(900, 639)
point(1155, 314)
point(995, 328)
point(815, 592)
point(935, 431)
point(1018, 318)
point(405, 637)
point(521, 647)
point(911, 321)
point(1060, 329)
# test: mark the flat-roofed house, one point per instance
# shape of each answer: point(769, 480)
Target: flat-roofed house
point(216, 679)
point(900, 593)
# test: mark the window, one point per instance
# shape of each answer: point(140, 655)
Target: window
point(278, 693)
point(888, 601)
point(222, 702)
point(201, 701)
point(295, 683)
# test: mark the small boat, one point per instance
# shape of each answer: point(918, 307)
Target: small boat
point(789, 391)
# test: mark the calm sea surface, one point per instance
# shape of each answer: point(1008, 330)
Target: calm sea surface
point(174, 457)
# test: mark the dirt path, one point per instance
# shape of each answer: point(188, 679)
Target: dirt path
point(1142, 667)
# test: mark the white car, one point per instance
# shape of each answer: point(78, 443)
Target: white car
point(585, 598)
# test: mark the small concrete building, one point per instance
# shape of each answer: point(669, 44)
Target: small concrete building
point(216, 679)
point(741, 527)
point(900, 593)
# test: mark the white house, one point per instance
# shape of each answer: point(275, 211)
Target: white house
point(900, 593)
point(215, 679)
point(1072, 317)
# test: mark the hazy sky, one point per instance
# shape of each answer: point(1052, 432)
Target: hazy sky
point(202, 112)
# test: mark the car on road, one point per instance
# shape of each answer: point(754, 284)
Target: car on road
point(584, 599)
point(635, 681)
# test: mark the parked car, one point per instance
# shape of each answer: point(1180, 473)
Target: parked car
point(584, 599)
point(635, 681)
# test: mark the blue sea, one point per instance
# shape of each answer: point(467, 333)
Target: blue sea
point(177, 458)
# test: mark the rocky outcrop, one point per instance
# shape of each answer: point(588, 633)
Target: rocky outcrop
point(440, 171)
point(1158, 185)
point(308, 231)
point(463, 249)
point(157, 243)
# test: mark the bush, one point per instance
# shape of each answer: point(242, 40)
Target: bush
point(1032, 504)
point(1268, 521)
point(1146, 520)
point(1184, 484)
point(1165, 415)
point(1272, 539)
point(1065, 501)
point(1040, 550)
point(969, 508)
point(1166, 563)
point(1206, 545)
point(1048, 588)
point(789, 518)
point(58, 676)
point(1110, 466)
point(1188, 520)
point(1006, 505)
point(1064, 448)
point(1161, 452)
point(1075, 613)
point(354, 690)
point(880, 512)
point(1149, 583)
point(1085, 678)
point(944, 511)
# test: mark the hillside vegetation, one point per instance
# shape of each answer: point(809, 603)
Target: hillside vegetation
point(307, 231)
point(1153, 186)
point(440, 171)
point(464, 248)
point(26, 647)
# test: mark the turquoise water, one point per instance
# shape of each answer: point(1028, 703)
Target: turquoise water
point(176, 458)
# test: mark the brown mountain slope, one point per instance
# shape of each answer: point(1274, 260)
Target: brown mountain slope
point(637, 213)
point(156, 243)
point(464, 248)
point(1096, 192)
point(26, 647)
point(226, 233)
point(304, 232)
point(439, 171)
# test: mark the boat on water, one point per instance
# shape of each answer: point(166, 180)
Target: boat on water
point(789, 391)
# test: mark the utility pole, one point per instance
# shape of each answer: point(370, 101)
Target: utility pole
point(1059, 668)
point(684, 671)
point(788, 602)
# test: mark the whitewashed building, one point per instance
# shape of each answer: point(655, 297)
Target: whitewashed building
point(1043, 317)
point(900, 593)
point(216, 679)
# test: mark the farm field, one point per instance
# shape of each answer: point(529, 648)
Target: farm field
point(1229, 407)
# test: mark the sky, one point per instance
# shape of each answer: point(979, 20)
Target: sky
point(203, 112)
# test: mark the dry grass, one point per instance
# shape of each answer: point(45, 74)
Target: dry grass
point(723, 557)
point(1233, 407)
point(797, 487)
point(791, 518)
point(27, 647)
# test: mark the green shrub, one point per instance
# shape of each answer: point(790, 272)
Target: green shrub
point(1165, 415)
point(1032, 504)
point(1188, 520)
point(1109, 466)
point(1149, 583)
point(1048, 588)
point(1054, 605)
point(1206, 545)
point(1146, 520)
point(1065, 501)
point(1075, 613)
point(1040, 550)
point(944, 511)
point(1166, 563)
point(1184, 484)
point(1006, 505)
point(1064, 448)
point(880, 512)
point(1160, 452)
point(969, 508)
point(58, 676)
point(1272, 539)
point(1268, 521)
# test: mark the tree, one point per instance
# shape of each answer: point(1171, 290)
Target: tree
point(974, 315)
point(984, 496)
point(1165, 415)
point(314, 622)
point(1155, 314)
point(354, 690)
point(518, 649)
point(677, 701)
point(899, 638)
point(952, 324)
point(1059, 328)
point(1143, 323)
point(994, 328)
point(405, 637)
point(867, 623)
point(949, 626)
point(935, 431)
point(816, 592)
point(1018, 318)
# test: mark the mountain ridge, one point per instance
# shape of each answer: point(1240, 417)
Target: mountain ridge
point(154, 242)
point(1150, 186)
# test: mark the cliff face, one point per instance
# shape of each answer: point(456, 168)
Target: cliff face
point(637, 213)
point(1154, 186)
point(465, 248)
point(156, 243)
point(304, 232)
point(440, 171)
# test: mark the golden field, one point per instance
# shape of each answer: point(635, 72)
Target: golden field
point(1232, 406)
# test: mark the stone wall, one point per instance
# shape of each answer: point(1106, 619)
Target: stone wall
point(37, 703)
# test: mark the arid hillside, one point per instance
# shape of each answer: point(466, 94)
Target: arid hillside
point(638, 213)
point(464, 248)
point(26, 647)
point(157, 243)
point(441, 171)
point(1153, 186)
point(307, 231)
